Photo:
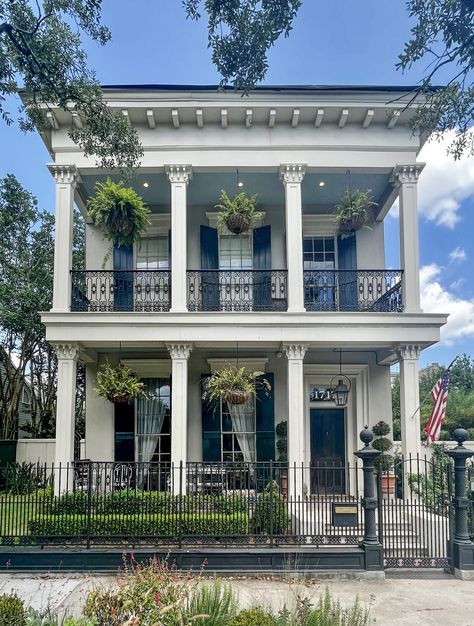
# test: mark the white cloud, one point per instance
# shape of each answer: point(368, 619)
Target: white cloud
point(443, 184)
point(458, 254)
point(436, 299)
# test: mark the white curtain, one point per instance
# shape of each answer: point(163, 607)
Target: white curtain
point(243, 423)
point(150, 416)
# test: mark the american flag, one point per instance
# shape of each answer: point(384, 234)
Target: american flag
point(439, 394)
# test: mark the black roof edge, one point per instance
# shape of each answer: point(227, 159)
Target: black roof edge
point(288, 88)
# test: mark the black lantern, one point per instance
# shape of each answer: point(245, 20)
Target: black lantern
point(341, 391)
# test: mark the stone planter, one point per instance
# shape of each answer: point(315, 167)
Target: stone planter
point(388, 484)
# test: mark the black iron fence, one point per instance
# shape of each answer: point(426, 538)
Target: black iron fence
point(253, 504)
point(124, 290)
point(353, 290)
point(237, 290)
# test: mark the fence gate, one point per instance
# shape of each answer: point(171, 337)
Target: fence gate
point(414, 512)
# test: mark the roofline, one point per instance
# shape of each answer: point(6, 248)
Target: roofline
point(272, 88)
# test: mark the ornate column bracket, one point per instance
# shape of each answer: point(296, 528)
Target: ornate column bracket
point(64, 174)
point(66, 351)
point(403, 174)
point(179, 350)
point(409, 352)
point(292, 173)
point(295, 350)
point(179, 173)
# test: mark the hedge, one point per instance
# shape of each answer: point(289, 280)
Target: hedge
point(136, 525)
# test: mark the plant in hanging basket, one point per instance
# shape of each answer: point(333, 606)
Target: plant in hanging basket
point(354, 211)
point(118, 384)
point(119, 212)
point(234, 385)
point(237, 214)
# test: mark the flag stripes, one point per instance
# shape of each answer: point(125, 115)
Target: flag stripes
point(439, 394)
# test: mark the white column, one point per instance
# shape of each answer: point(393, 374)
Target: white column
point(65, 177)
point(406, 178)
point(292, 177)
point(65, 414)
point(296, 417)
point(409, 400)
point(179, 353)
point(179, 176)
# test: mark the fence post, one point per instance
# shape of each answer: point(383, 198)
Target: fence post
point(371, 544)
point(462, 556)
point(180, 505)
point(89, 503)
point(271, 505)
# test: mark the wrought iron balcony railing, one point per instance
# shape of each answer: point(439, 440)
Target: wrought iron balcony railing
point(353, 290)
point(237, 290)
point(122, 290)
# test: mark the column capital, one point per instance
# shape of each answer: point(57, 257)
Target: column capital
point(179, 350)
point(409, 351)
point(402, 174)
point(64, 174)
point(295, 350)
point(179, 173)
point(292, 173)
point(66, 351)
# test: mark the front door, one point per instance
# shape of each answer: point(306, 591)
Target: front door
point(327, 451)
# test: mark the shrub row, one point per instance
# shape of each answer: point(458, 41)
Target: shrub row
point(136, 525)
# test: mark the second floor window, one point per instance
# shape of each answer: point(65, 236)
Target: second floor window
point(319, 253)
point(235, 252)
point(152, 253)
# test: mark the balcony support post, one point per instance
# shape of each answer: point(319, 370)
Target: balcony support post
point(292, 177)
point(409, 400)
point(179, 353)
point(296, 418)
point(66, 178)
point(179, 177)
point(405, 177)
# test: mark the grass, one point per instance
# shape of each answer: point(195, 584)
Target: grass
point(16, 512)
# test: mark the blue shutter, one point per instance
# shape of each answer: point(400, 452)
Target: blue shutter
point(262, 264)
point(265, 422)
point(211, 430)
point(123, 281)
point(209, 261)
point(347, 280)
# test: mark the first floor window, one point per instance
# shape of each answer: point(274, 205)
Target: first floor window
point(153, 422)
point(238, 432)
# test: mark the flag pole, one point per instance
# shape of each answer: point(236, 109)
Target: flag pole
point(428, 397)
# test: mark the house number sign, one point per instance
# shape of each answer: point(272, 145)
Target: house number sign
point(321, 394)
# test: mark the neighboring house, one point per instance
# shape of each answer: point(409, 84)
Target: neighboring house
point(24, 405)
point(284, 299)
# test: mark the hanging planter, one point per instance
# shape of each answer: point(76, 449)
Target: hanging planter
point(237, 214)
point(119, 212)
point(118, 384)
point(234, 385)
point(354, 211)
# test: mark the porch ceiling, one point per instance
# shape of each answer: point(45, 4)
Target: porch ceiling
point(204, 188)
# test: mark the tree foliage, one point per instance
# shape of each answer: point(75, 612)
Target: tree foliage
point(443, 34)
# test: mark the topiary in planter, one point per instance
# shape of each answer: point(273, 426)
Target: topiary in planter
point(281, 432)
point(384, 460)
point(354, 211)
point(237, 214)
point(118, 384)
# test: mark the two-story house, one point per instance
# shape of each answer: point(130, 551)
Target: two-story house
point(291, 298)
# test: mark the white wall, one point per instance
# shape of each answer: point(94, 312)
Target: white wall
point(100, 425)
point(39, 451)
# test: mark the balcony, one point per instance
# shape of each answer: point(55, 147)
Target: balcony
point(124, 290)
point(365, 291)
point(237, 290)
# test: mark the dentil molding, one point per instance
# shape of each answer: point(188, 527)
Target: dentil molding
point(64, 174)
point(179, 350)
point(66, 350)
point(403, 174)
point(292, 173)
point(409, 352)
point(295, 350)
point(179, 173)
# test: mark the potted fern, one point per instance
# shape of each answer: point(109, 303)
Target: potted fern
point(118, 384)
point(119, 212)
point(385, 461)
point(354, 211)
point(237, 214)
point(234, 385)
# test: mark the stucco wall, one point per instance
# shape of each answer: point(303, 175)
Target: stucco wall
point(100, 425)
point(39, 451)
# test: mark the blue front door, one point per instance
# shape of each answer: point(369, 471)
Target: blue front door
point(327, 450)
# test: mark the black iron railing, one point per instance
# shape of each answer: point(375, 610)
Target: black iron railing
point(353, 290)
point(121, 290)
point(237, 290)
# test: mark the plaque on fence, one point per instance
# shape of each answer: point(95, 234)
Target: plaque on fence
point(344, 514)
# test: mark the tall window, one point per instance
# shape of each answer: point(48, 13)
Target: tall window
point(319, 253)
point(153, 430)
point(319, 262)
point(235, 252)
point(239, 435)
point(152, 253)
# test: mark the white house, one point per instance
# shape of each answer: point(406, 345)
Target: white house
point(292, 298)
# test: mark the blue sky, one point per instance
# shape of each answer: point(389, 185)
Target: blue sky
point(337, 42)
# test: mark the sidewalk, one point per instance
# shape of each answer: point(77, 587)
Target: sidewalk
point(431, 598)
